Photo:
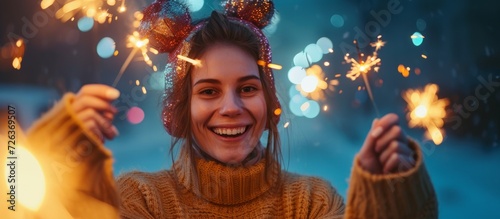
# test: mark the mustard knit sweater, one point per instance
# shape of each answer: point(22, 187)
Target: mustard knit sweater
point(80, 176)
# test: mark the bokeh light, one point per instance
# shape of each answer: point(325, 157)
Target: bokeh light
point(421, 24)
point(314, 52)
point(301, 59)
point(325, 44)
point(296, 74)
point(106, 47)
point(309, 83)
point(310, 109)
point(135, 115)
point(85, 24)
point(337, 20)
point(194, 5)
point(32, 194)
point(417, 39)
point(295, 104)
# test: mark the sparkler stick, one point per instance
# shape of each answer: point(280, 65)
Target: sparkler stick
point(364, 69)
point(125, 65)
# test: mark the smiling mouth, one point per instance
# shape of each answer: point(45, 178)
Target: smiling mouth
point(230, 132)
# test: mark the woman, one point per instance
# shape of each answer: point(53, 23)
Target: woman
point(217, 109)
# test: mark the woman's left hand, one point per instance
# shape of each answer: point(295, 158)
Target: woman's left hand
point(386, 148)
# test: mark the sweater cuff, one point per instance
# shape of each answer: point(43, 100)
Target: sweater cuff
point(72, 157)
point(399, 195)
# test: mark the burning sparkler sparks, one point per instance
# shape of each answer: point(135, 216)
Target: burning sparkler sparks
point(194, 62)
point(426, 110)
point(362, 67)
point(138, 44)
point(89, 8)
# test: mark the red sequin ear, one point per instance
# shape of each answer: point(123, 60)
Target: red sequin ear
point(258, 12)
point(166, 23)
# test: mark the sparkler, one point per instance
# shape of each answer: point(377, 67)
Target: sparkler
point(89, 8)
point(362, 67)
point(315, 83)
point(138, 44)
point(194, 62)
point(427, 111)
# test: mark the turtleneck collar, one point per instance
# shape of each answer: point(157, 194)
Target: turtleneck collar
point(223, 184)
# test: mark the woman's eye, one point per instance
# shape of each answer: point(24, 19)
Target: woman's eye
point(248, 89)
point(208, 92)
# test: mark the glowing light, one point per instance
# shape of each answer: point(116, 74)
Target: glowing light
point(377, 45)
point(314, 52)
point(30, 171)
point(325, 108)
point(426, 110)
point(195, 5)
point(137, 82)
point(194, 62)
point(330, 50)
point(295, 104)
point(144, 90)
point(106, 47)
point(85, 24)
point(327, 64)
point(421, 111)
point(424, 56)
point(311, 109)
point(296, 74)
point(270, 65)
point(122, 7)
point(19, 43)
point(46, 3)
point(361, 67)
point(135, 115)
point(314, 84)
point(417, 39)
point(16, 63)
point(137, 44)
point(309, 83)
point(337, 20)
point(277, 111)
point(403, 70)
point(325, 44)
point(89, 8)
point(286, 124)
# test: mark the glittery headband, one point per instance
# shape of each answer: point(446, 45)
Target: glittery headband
point(169, 28)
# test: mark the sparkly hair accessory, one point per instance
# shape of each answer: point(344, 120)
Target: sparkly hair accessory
point(168, 26)
point(166, 23)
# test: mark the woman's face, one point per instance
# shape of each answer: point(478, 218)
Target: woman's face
point(228, 108)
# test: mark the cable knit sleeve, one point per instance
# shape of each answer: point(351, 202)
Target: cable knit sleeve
point(77, 166)
point(408, 194)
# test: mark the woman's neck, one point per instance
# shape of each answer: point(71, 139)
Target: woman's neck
point(254, 157)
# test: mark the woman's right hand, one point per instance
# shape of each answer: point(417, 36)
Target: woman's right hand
point(93, 107)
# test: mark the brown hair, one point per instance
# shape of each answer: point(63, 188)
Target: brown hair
point(220, 29)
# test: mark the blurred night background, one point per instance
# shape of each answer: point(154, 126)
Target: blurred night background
point(453, 44)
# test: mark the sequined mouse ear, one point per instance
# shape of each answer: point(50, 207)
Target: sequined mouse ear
point(166, 23)
point(258, 12)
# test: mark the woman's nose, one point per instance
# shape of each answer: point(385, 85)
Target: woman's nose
point(231, 105)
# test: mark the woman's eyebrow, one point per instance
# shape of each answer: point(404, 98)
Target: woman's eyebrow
point(207, 80)
point(246, 78)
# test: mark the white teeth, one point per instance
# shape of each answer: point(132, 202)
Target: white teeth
point(229, 131)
